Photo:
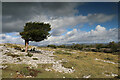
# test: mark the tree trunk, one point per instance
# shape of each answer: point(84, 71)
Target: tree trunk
point(26, 45)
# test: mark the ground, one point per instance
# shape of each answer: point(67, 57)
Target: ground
point(84, 65)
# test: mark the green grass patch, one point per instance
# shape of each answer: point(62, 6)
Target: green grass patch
point(12, 55)
point(61, 52)
point(29, 55)
point(35, 58)
point(68, 64)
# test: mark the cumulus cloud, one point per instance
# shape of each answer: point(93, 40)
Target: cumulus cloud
point(16, 14)
point(98, 35)
point(4, 38)
point(59, 15)
point(59, 24)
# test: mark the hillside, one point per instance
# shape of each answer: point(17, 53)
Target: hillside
point(45, 62)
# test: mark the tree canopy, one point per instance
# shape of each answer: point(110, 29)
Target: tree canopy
point(35, 31)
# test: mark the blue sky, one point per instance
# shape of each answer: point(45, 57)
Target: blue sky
point(99, 7)
point(68, 20)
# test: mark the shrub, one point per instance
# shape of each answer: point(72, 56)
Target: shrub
point(23, 50)
point(30, 55)
point(61, 52)
point(17, 47)
point(35, 58)
point(108, 58)
point(62, 46)
point(25, 72)
point(13, 55)
point(108, 51)
point(19, 59)
point(52, 46)
point(66, 53)
point(29, 72)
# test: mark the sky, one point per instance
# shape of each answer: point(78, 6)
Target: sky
point(71, 22)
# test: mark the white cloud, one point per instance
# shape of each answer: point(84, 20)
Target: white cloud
point(4, 38)
point(98, 35)
point(61, 23)
point(59, 15)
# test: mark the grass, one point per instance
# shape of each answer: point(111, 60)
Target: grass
point(84, 64)
point(12, 69)
point(29, 55)
point(12, 55)
point(62, 52)
point(23, 69)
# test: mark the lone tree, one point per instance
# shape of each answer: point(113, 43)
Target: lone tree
point(35, 31)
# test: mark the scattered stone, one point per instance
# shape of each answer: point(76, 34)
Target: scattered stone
point(48, 69)
point(3, 67)
point(88, 76)
point(63, 76)
point(114, 75)
point(58, 67)
point(28, 76)
point(44, 58)
point(106, 61)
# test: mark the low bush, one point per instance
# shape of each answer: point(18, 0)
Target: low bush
point(29, 72)
point(25, 72)
point(52, 46)
point(17, 47)
point(30, 55)
point(23, 50)
point(108, 51)
point(35, 58)
point(12, 55)
point(19, 59)
point(61, 52)
point(108, 58)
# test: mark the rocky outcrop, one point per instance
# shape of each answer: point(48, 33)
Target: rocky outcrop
point(10, 55)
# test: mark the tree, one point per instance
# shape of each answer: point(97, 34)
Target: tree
point(113, 46)
point(35, 31)
point(98, 46)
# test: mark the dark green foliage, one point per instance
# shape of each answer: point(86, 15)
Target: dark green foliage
point(98, 46)
point(29, 72)
point(17, 47)
point(19, 59)
point(77, 46)
point(52, 46)
point(35, 58)
point(61, 52)
point(74, 46)
point(111, 47)
point(12, 55)
point(107, 50)
point(35, 31)
point(30, 55)
point(108, 58)
point(23, 50)
point(62, 46)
